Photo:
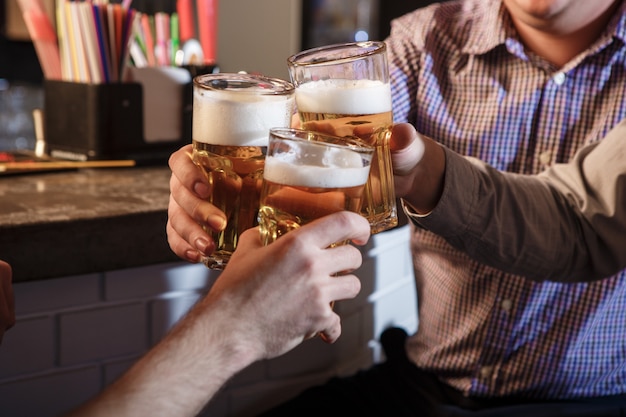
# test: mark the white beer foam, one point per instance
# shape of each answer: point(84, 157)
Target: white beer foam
point(238, 119)
point(334, 169)
point(342, 96)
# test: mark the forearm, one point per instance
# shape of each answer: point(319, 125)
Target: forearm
point(595, 184)
point(519, 224)
point(180, 375)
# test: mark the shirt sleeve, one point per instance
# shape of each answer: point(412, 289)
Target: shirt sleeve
point(567, 224)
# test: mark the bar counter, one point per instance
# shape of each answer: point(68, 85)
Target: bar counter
point(82, 221)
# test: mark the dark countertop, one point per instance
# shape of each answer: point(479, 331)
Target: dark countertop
point(83, 221)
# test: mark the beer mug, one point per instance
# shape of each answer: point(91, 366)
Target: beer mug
point(344, 90)
point(232, 116)
point(308, 175)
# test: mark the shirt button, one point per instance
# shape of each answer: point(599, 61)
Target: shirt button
point(486, 371)
point(507, 305)
point(545, 157)
point(559, 78)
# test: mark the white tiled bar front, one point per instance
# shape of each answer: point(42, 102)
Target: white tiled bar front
point(76, 334)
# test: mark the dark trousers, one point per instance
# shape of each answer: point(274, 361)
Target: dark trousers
point(398, 388)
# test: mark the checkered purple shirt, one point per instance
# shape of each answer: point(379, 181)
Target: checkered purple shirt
point(460, 75)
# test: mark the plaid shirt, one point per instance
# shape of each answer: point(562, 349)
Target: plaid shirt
point(461, 75)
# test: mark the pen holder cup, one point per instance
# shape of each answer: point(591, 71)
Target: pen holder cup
point(145, 119)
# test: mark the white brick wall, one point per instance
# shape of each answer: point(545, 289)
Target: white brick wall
point(74, 335)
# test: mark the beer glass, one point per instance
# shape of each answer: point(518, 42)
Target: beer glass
point(308, 175)
point(232, 115)
point(344, 89)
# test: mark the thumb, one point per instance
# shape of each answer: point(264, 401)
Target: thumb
point(407, 148)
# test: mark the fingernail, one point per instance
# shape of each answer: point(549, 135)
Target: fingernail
point(201, 189)
point(216, 222)
point(203, 245)
point(192, 256)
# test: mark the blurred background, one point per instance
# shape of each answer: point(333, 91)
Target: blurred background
point(252, 36)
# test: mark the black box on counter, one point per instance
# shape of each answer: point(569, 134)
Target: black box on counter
point(144, 120)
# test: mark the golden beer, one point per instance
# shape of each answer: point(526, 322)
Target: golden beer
point(234, 174)
point(307, 176)
point(344, 90)
point(232, 116)
point(357, 109)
